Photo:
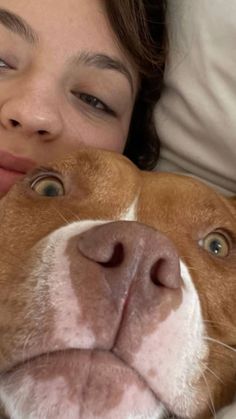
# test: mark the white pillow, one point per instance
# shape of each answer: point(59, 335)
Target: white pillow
point(196, 115)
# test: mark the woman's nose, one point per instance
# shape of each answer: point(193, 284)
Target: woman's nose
point(32, 115)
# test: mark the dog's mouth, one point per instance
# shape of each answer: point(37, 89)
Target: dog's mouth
point(86, 383)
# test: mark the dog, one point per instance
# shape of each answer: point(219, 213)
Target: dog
point(118, 293)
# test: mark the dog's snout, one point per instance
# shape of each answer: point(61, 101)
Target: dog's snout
point(131, 248)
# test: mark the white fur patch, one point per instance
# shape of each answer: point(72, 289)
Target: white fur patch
point(130, 214)
point(181, 347)
point(62, 297)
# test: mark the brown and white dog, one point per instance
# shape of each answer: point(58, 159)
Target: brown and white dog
point(118, 293)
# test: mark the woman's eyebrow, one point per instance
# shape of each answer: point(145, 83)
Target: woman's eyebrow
point(16, 24)
point(104, 62)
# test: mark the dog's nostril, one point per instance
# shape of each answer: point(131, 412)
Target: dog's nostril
point(116, 258)
point(165, 272)
point(155, 272)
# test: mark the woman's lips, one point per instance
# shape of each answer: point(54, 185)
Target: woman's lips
point(12, 168)
point(8, 178)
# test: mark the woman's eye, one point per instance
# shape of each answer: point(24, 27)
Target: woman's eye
point(3, 64)
point(94, 102)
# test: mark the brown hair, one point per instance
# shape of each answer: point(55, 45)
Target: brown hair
point(140, 28)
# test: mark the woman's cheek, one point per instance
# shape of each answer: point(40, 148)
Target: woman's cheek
point(105, 132)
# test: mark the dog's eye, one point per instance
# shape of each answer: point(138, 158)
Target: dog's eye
point(217, 244)
point(48, 186)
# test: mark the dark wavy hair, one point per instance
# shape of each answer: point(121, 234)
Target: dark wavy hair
point(140, 28)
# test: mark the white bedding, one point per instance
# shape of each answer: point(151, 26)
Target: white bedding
point(196, 115)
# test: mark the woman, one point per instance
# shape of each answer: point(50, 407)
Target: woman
point(78, 73)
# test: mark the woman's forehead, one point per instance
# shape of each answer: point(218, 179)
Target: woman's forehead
point(68, 28)
point(68, 20)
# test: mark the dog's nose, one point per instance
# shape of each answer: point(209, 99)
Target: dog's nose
point(125, 249)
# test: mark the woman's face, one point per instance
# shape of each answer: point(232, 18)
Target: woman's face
point(64, 81)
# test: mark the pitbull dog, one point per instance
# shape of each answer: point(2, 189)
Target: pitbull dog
point(118, 293)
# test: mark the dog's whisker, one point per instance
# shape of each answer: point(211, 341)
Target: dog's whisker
point(44, 344)
point(208, 338)
point(224, 358)
point(211, 371)
point(72, 214)
point(211, 402)
point(192, 269)
point(61, 215)
point(75, 216)
point(26, 345)
point(214, 322)
point(217, 323)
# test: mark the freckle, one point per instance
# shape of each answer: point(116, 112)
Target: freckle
point(66, 329)
point(152, 373)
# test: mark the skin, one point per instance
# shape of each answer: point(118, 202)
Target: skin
point(52, 99)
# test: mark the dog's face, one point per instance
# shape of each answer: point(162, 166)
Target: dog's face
point(118, 293)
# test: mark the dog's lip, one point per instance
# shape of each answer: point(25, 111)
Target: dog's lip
point(64, 361)
point(16, 164)
point(67, 353)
